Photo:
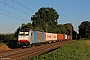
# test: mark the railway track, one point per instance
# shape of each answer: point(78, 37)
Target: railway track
point(32, 51)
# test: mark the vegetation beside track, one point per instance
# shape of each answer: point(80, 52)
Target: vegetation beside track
point(78, 50)
point(1, 43)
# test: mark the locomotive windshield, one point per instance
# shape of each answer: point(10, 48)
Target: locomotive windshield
point(23, 33)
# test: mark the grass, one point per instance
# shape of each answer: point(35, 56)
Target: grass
point(1, 43)
point(77, 50)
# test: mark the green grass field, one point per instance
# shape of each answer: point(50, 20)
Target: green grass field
point(77, 50)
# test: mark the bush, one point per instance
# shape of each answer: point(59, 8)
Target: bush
point(6, 37)
point(1, 43)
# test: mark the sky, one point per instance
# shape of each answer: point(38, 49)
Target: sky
point(15, 12)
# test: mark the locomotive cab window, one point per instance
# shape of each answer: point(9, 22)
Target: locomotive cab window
point(21, 33)
point(24, 33)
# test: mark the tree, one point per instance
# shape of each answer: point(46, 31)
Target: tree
point(17, 31)
point(69, 28)
point(7, 37)
point(61, 29)
point(28, 25)
point(45, 19)
point(84, 29)
point(74, 34)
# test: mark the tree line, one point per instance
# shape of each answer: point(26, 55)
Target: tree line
point(7, 37)
point(46, 20)
point(84, 29)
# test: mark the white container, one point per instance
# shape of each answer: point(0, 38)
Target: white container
point(51, 36)
point(65, 37)
point(54, 36)
point(48, 36)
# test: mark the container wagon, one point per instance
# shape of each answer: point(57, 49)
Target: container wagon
point(65, 37)
point(60, 37)
point(50, 37)
point(68, 37)
point(28, 37)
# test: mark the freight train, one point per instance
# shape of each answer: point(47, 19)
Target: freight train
point(28, 37)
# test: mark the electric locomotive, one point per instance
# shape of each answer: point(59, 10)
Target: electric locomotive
point(24, 37)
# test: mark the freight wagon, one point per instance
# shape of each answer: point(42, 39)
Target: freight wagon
point(69, 37)
point(60, 37)
point(50, 37)
point(29, 37)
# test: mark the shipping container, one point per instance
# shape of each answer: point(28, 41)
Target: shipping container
point(54, 36)
point(65, 37)
point(48, 36)
point(68, 37)
point(51, 37)
point(38, 37)
point(60, 37)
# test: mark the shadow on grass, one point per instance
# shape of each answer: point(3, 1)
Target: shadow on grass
point(12, 44)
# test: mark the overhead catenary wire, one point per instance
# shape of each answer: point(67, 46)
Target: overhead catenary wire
point(14, 8)
point(11, 13)
point(29, 4)
point(12, 17)
point(23, 5)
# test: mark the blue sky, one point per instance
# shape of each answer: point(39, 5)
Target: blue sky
point(12, 15)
